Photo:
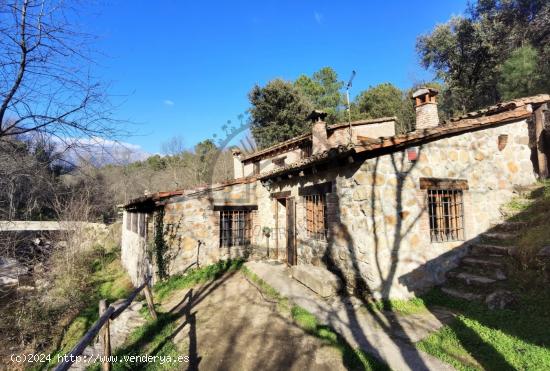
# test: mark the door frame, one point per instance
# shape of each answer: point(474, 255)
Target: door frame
point(291, 248)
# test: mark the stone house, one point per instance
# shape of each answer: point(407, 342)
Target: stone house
point(389, 214)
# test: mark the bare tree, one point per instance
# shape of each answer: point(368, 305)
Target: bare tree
point(45, 81)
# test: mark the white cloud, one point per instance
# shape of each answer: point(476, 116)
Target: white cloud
point(318, 17)
point(168, 102)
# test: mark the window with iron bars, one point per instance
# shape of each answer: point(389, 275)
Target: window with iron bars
point(316, 216)
point(446, 213)
point(235, 227)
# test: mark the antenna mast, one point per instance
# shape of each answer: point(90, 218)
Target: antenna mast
point(348, 86)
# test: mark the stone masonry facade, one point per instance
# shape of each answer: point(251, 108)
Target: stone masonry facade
point(379, 237)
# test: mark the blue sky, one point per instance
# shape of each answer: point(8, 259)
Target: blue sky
point(185, 68)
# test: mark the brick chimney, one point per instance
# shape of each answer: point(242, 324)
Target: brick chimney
point(238, 167)
point(426, 108)
point(319, 139)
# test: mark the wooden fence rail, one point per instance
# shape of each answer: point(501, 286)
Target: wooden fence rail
point(106, 314)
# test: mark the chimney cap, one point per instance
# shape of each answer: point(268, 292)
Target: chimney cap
point(423, 91)
point(236, 151)
point(317, 115)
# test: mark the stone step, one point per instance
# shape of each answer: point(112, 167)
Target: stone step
point(318, 279)
point(483, 249)
point(485, 263)
point(509, 226)
point(470, 278)
point(492, 272)
point(470, 296)
point(500, 236)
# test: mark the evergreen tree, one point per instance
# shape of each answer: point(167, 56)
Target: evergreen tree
point(278, 112)
point(519, 75)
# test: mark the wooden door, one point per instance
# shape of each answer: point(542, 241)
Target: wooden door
point(290, 232)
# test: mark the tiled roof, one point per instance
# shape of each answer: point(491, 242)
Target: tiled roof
point(493, 115)
point(159, 196)
point(307, 137)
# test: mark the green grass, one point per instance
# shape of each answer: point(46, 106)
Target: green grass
point(353, 359)
point(107, 281)
point(494, 340)
point(516, 338)
point(153, 339)
point(405, 307)
point(177, 282)
point(535, 211)
point(282, 303)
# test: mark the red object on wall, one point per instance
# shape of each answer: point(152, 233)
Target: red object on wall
point(412, 154)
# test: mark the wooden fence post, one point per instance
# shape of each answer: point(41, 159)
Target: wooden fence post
point(105, 336)
point(149, 298)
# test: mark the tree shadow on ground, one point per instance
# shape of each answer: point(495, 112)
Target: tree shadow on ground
point(366, 287)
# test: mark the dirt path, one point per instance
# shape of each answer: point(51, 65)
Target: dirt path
point(229, 325)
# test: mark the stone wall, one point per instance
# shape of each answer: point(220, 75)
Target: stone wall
point(134, 256)
point(191, 226)
point(379, 236)
point(426, 115)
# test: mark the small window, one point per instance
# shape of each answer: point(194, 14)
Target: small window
point(446, 213)
point(316, 216)
point(235, 227)
point(135, 217)
point(128, 221)
point(307, 150)
point(256, 168)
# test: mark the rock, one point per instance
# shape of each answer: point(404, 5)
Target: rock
point(544, 252)
point(318, 279)
point(500, 275)
point(469, 296)
point(500, 299)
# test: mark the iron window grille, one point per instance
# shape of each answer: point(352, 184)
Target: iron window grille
point(316, 216)
point(306, 150)
point(235, 227)
point(446, 214)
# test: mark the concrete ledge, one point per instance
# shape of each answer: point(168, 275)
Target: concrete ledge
point(318, 279)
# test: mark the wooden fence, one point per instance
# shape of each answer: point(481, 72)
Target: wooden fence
point(106, 314)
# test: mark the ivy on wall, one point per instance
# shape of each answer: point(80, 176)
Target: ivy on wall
point(160, 247)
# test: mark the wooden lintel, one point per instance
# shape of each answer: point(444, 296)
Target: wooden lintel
point(443, 183)
point(282, 194)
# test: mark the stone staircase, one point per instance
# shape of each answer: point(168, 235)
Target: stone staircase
point(483, 272)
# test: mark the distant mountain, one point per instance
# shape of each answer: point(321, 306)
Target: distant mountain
point(100, 152)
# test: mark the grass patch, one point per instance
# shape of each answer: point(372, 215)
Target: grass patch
point(282, 303)
point(354, 359)
point(405, 307)
point(154, 339)
point(535, 211)
point(177, 282)
point(480, 338)
point(515, 338)
point(107, 281)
